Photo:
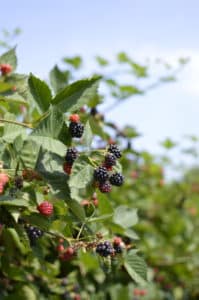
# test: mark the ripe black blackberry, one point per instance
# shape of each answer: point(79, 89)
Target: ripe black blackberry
point(110, 160)
point(101, 174)
point(116, 179)
point(71, 155)
point(76, 129)
point(18, 181)
point(117, 248)
point(115, 150)
point(33, 233)
point(93, 111)
point(104, 249)
point(105, 187)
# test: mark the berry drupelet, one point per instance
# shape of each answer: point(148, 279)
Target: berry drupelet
point(105, 249)
point(114, 150)
point(76, 129)
point(101, 174)
point(71, 155)
point(116, 179)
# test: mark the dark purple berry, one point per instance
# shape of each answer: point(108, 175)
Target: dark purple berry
point(118, 249)
point(101, 174)
point(76, 129)
point(93, 111)
point(110, 160)
point(104, 249)
point(33, 233)
point(116, 179)
point(105, 187)
point(114, 150)
point(18, 182)
point(71, 155)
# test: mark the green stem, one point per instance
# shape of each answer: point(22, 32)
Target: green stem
point(16, 123)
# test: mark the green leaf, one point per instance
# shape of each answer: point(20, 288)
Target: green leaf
point(82, 173)
point(29, 154)
point(168, 144)
point(102, 61)
point(125, 217)
point(75, 61)
point(136, 267)
point(51, 126)
point(11, 131)
point(76, 95)
point(40, 92)
point(59, 79)
point(9, 58)
point(7, 201)
point(4, 87)
point(87, 137)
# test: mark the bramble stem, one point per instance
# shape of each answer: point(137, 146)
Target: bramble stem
point(16, 123)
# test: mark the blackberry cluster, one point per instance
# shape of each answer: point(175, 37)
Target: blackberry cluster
point(115, 150)
point(76, 129)
point(71, 155)
point(33, 233)
point(18, 181)
point(101, 174)
point(104, 249)
point(116, 179)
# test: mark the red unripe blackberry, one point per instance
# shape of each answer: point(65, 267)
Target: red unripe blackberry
point(4, 178)
point(117, 240)
point(85, 203)
point(71, 155)
point(74, 118)
point(60, 248)
point(67, 168)
point(5, 69)
point(143, 292)
point(70, 251)
point(61, 241)
point(77, 297)
point(114, 150)
point(1, 188)
point(101, 174)
point(110, 160)
point(105, 187)
point(136, 292)
point(76, 129)
point(116, 179)
point(68, 254)
point(45, 208)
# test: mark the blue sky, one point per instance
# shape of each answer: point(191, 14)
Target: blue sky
point(142, 28)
